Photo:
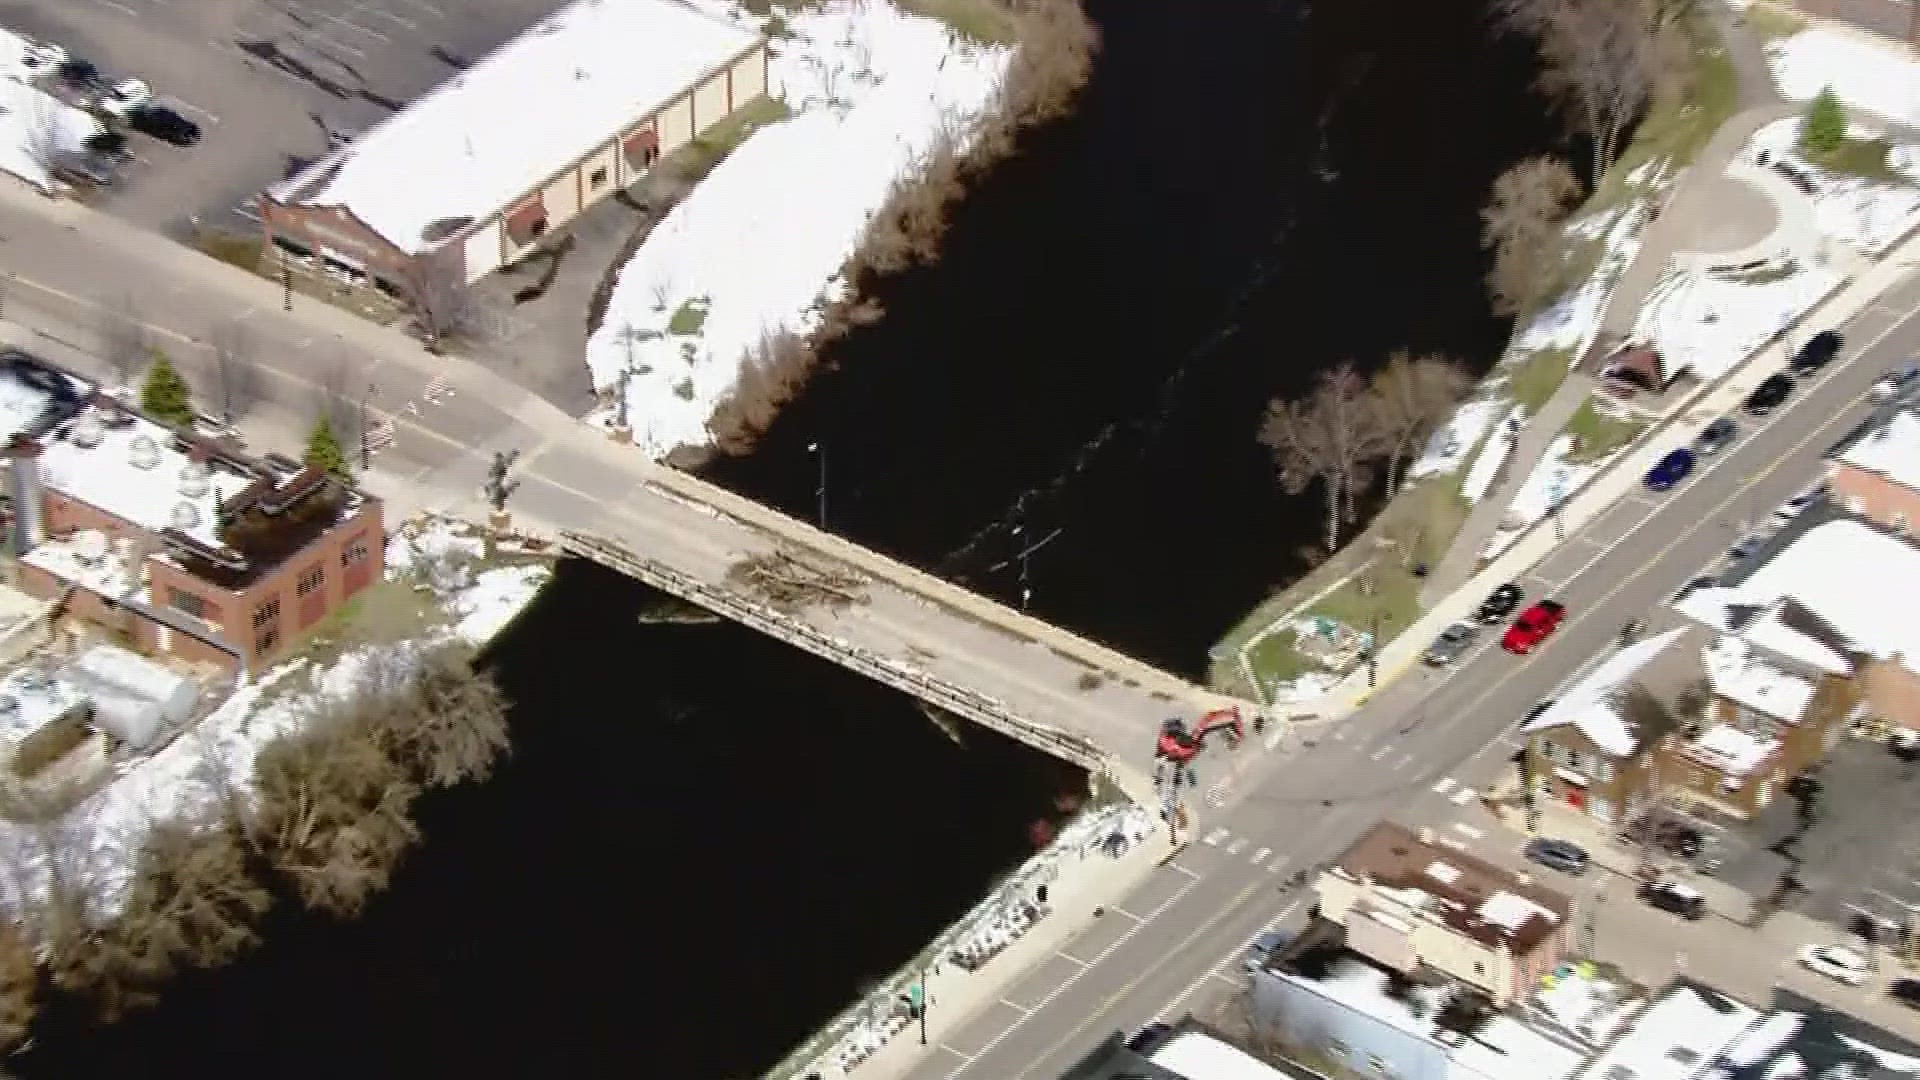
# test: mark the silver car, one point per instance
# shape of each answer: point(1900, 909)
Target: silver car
point(1454, 641)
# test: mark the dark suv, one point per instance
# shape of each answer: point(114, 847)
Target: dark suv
point(1675, 897)
point(1817, 353)
point(1768, 395)
point(164, 124)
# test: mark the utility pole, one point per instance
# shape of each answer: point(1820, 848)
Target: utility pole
point(366, 449)
point(819, 451)
point(286, 285)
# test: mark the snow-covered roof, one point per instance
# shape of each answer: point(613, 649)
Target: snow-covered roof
point(1732, 751)
point(1512, 910)
point(1741, 676)
point(1891, 450)
point(1790, 1044)
point(131, 468)
point(35, 125)
point(524, 113)
point(1863, 583)
point(90, 560)
point(30, 699)
point(1677, 1036)
point(1589, 704)
point(1198, 1056)
point(1506, 1049)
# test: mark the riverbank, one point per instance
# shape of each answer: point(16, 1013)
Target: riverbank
point(716, 321)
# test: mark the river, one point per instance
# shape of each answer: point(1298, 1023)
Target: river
point(706, 844)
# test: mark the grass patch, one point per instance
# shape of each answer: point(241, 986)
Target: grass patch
point(1866, 158)
point(1772, 22)
point(1394, 598)
point(690, 317)
point(1274, 660)
point(697, 158)
point(1538, 376)
point(382, 613)
point(1683, 116)
point(231, 248)
point(1597, 434)
point(983, 22)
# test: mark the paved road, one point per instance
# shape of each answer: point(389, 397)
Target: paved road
point(1413, 750)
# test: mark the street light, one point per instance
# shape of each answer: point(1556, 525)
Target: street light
point(366, 451)
point(819, 451)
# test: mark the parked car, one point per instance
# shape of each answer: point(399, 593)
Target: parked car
point(1836, 962)
point(79, 73)
point(122, 98)
point(1680, 839)
point(1451, 644)
point(1769, 395)
point(1538, 708)
point(1562, 855)
point(164, 124)
point(1817, 353)
point(1499, 603)
point(1149, 1038)
point(1533, 627)
point(96, 170)
point(1670, 470)
point(1905, 744)
point(1897, 382)
point(1906, 992)
point(43, 58)
point(1668, 895)
point(110, 144)
point(1264, 947)
point(1744, 547)
point(1715, 436)
point(1793, 507)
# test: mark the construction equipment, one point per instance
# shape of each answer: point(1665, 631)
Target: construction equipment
point(1179, 745)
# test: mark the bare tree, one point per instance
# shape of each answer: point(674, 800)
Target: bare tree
point(193, 903)
point(1602, 59)
point(124, 343)
point(1302, 452)
point(1413, 396)
point(443, 305)
point(1353, 428)
point(19, 982)
point(1522, 225)
point(774, 371)
point(442, 720)
point(236, 384)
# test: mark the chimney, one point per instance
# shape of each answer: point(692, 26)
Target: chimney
point(29, 501)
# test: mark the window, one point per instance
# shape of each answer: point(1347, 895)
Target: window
point(1605, 772)
point(598, 178)
point(1574, 761)
point(1338, 1049)
point(1856, 504)
point(1479, 968)
point(648, 156)
point(265, 643)
point(354, 552)
point(192, 603)
point(1375, 1063)
point(1900, 522)
point(266, 614)
point(311, 581)
point(537, 228)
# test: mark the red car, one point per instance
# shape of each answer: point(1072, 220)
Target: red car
point(1533, 626)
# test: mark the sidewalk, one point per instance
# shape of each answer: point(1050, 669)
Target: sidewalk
point(1538, 433)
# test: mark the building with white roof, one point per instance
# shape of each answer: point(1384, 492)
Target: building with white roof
point(1876, 472)
point(36, 128)
point(1677, 1037)
point(173, 541)
point(477, 172)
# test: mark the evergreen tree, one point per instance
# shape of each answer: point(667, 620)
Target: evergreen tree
point(1824, 128)
point(324, 452)
point(166, 396)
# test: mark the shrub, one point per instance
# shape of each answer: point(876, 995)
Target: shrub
point(1824, 128)
point(324, 452)
point(166, 396)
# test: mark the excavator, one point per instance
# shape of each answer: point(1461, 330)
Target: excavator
point(1179, 745)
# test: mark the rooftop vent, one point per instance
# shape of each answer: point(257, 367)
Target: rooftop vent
point(193, 480)
point(90, 548)
point(143, 452)
point(88, 431)
point(186, 517)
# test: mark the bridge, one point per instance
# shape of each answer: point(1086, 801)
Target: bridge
point(947, 646)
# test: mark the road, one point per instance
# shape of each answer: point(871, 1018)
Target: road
point(1414, 750)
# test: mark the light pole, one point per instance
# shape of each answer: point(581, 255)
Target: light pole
point(286, 285)
point(819, 451)
point(366, 450)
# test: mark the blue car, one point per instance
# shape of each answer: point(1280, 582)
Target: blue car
point(1671, 470)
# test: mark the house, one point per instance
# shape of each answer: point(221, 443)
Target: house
point(168, 541)
point(1412, 905)
point(1876, 471)
point(1896, 19)
point(1638, 368)
point(1803, 1038)
point(1854, 589)
point(1376, 1021)
point(1186, 1051)
point(1593, 748)
point(478, 172)
point(1686, 1028)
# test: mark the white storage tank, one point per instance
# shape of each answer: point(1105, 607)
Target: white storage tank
point(133, 697)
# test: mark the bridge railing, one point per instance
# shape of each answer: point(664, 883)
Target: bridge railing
point(947, 695)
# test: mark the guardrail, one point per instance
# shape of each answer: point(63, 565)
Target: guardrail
point(967, 702)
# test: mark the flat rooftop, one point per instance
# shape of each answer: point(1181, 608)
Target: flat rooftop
point(517, 117)
point(1476, 898)
point(1676, 1037)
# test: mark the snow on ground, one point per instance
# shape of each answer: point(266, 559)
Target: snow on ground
point(35, 125)
point(1493, 454)
point(1555, 478)
point(1449, 447)
point(1711, 323)
point(1880, 78)
point(1573, 321)
point(763, 238)
point(1866, 215)
point(179, 781)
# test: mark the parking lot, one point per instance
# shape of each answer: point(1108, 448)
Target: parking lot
point(265, 79)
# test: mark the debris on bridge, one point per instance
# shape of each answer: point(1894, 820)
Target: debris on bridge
point(789, 583)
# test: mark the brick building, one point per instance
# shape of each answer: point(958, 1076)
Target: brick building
point(477, 173)
point(172, 542)
point(1876, 472)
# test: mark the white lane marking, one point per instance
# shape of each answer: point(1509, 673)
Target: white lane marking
point(1215, 973)
point(1070, 958)
point(1380, 753)
point(1261, 855)
point(963, 1057)
point(1470, 831)
point(1184, 870)
point(1213, 838)
point(1405, 760)
point(1021, 1009)
point(1118, 910)
point(1236, 847)
point(121, 8)
point(1462, 797)
point(1279, 864)
point(1445, 785)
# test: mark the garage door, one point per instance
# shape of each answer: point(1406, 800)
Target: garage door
point(483, 250)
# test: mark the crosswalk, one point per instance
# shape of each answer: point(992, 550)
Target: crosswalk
point(1223, 838)
point(1457, 796)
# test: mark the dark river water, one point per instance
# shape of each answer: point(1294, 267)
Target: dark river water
point(705, 844)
